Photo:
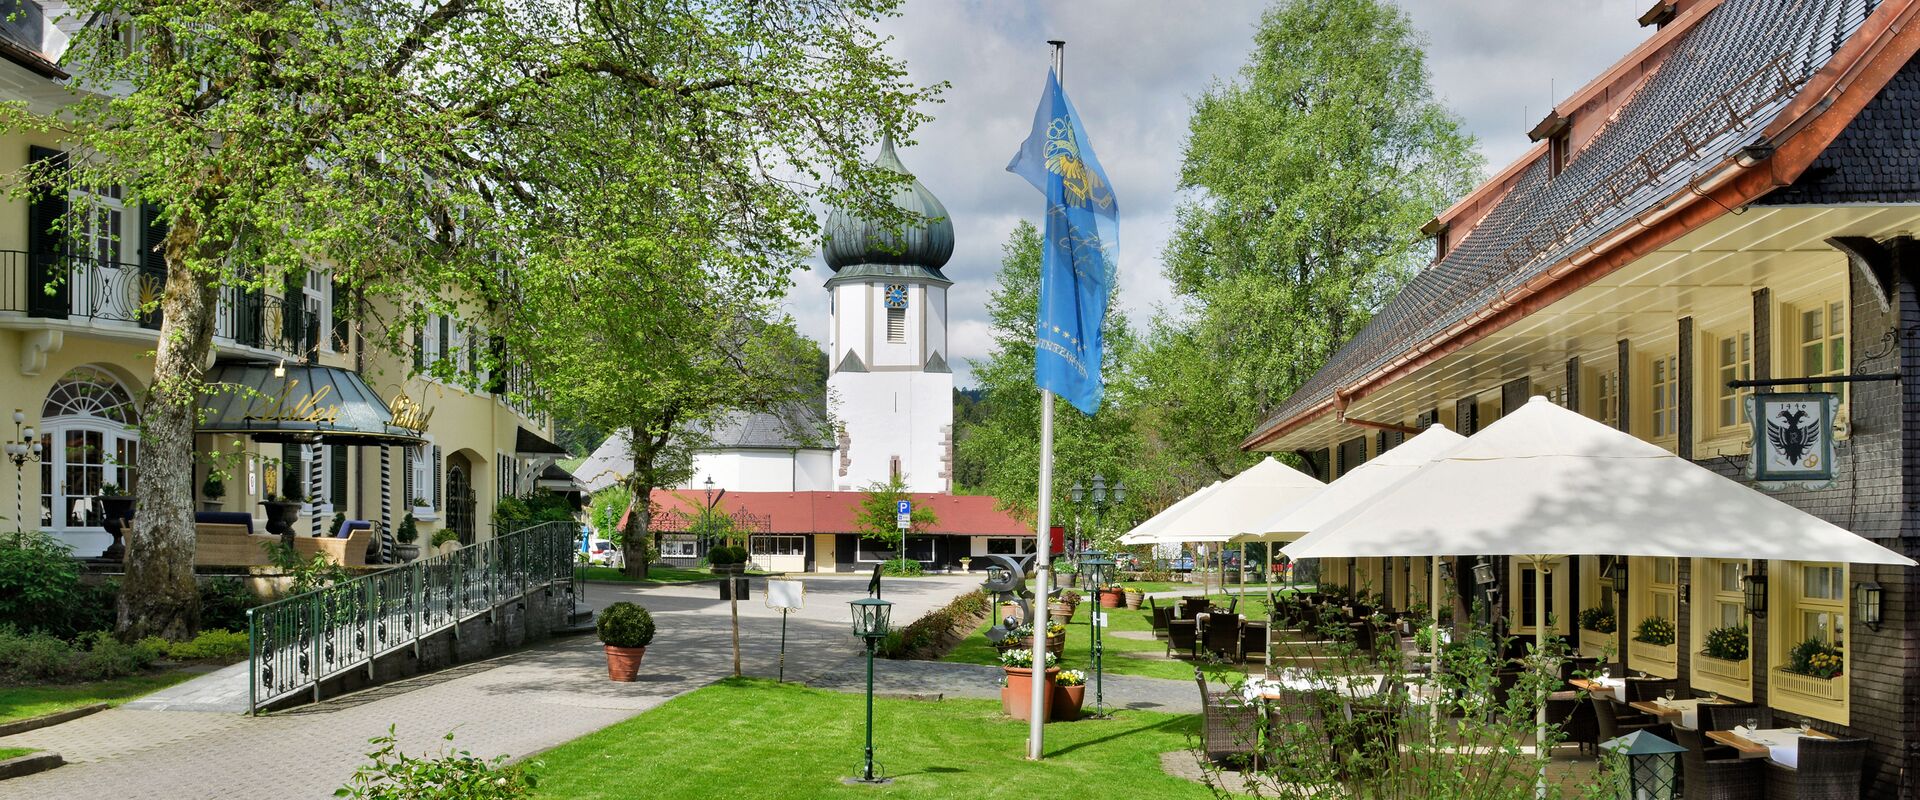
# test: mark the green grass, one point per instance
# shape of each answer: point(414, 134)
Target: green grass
point(15, 752)
point(1194, 588)
point(757, 739)
point(1123, 656)
point(21, 702)
point(657, 574)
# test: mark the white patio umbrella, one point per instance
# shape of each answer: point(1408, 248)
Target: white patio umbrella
point(1361, 485)
point(1237, 505)
point(1143, 532)
point(1545, 482)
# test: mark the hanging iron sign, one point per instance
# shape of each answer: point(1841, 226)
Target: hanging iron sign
point(1792, 439)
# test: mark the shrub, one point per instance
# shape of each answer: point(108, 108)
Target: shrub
point(1597, 619)
point(107, 657)
point(445, 535)
point(409, 531)
point(224, 603)
point(1655, 631)
point(724, 555)
point(624, 624)
point(41, 657)
point(210, 645)
point(925, 632)
point(1729, 643)
point(39, 583)
point(1815, 658)
point(901, 568)
point(394, 775)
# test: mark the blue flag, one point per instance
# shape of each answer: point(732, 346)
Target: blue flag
point(1076, 266)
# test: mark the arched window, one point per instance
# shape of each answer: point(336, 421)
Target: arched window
point(88, 437)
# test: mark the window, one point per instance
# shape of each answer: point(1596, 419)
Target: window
point(1607, 398)
point(1822, 337)
point(1556, 395)
point(1666, 396)
point(866, 549)
point(87, 441)
point(679, 545)
point(1005, 546)
point(423, 479)
point(98, 235)
point(778, 545)
point(1734, 358)
point(1821, 604)
point(896, 325)
point(1726, 595)
point(1655, 583)
point(1561, 149)
point(1719, 602)
point(313, 294)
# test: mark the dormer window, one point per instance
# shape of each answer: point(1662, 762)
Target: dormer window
point(1561, 151)
point(1556, 130)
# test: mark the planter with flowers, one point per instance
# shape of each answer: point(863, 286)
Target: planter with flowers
point(1112, 597)
point(1812, 670)
point(1135, 598)
point(1069, 694)
point(1652, 642)
point(1062, 607)
point(1056, 641)
point(1724, 653)
point(1597, 627)
point(626, 630)
point(1016, 698)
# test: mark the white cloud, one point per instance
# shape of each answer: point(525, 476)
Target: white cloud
point(1133, 69)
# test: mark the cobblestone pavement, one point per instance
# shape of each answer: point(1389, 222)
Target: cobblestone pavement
point(518, 704)
point(983, 682)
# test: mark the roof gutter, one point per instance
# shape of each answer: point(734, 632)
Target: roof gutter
point(1804, 129)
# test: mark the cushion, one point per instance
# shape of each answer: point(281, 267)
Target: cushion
point(225, 518)
point(348, 527)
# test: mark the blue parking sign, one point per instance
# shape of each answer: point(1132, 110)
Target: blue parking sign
point(905, 507)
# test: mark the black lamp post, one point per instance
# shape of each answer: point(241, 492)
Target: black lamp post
point(1756, 595)
point(22, 448)
point(1094, 569)
point(1652, 765)
point(870, 624)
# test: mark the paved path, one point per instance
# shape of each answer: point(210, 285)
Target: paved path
point(983, 682)
point(516, 704)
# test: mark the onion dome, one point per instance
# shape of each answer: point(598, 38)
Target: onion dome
point(920, 248)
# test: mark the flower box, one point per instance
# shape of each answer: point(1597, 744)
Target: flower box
point(1640, 654)
point(1594, 643)
point(1833, 688)
point(1737, 671)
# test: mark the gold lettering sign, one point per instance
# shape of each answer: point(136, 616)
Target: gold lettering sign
point(312, 408)
point(410, 414)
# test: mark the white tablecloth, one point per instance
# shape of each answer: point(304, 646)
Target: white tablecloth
point(1304, 681)
point(1783, 744)
point(1613, 686)
point(1689, 711)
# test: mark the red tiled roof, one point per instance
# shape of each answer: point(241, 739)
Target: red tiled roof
point(834, 512)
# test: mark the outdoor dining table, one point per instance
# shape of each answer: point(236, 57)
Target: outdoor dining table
point(1782, 745)
point(1275, 687)
point(1602, 687)
point(1685, 713)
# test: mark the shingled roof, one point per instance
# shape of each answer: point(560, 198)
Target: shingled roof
point(1729, 76)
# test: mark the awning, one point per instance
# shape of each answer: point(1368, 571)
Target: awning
point(527, 444)
point(556, 478)
point(301, 403)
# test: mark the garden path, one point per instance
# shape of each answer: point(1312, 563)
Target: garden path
point(518, 704)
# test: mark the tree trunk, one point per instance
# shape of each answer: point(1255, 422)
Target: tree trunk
point(633, 540)
point(158, 596)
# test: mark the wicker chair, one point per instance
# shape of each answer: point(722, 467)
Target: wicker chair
point(1830, 769)
point(1220, 634)
point(1183, 635)
point(1609, 725)
point(1642, 690)
point(1715, 772)
point(1575, 719)
point(1724, 718)
point(1253, 638)
point(1161, 616)
point(1231, 731)
point(1191, 607)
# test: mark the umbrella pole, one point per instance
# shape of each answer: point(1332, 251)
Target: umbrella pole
point(1540, 652)
point(1268, 580)
point(1433, 656)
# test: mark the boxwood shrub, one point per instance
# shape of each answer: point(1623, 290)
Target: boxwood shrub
point(624, 624)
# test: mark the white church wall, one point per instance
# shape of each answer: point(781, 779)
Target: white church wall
point(813, 471)
point(936, 309)
point(893, 414)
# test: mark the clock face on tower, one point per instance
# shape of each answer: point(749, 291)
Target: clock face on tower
point(896, 295)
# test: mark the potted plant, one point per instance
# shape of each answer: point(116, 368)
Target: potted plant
point(116, 507)
point(214, 489)
point(407, 535)
point(1657, 631)
point(1069, 694)
point(420, 502)
point(1135, 598)
point(1112, 596)
point(1816, 659)
point(1061, 609)
point(727, 559)
point(1597, 619)
point(1016, 697)
point(625, 631)
point(1022, 636)
point(282, 514)
point(966, 563)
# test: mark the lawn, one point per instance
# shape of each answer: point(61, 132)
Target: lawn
point(758, 739)
point(15, 752)
point(1185, 587)
point(1123, 656)
point(21, 702)
point(658, 574)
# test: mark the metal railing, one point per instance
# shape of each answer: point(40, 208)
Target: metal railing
point(296, 643)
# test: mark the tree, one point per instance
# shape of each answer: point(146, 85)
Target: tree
point(1002, 447)
point(1308, 179)
point(417, 148)
point(878, 516)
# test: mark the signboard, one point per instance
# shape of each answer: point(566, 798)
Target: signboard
point(1792, 439)
point(903, 515)
point(1056, 540)
point(786, 594)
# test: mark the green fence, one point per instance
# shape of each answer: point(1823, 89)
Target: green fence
point(296, 643)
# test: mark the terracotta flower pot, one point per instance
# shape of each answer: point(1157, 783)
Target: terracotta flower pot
point(1062, 612)
point(623, 663)
point(1017, 697)
point(1067, 701)
point(1112, 598)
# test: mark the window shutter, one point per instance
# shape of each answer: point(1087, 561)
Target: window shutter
point(497, 376)
point(406, 476)
point(338, 465)
point(1466, 416)
point(153, 261)
point(1513, 395)
point(46, 246)
point(445, 341)
point(438, 498)
point(419, 347)
point(342, 329)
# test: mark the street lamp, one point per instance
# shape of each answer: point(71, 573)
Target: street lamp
point(1094, 572)
point(870, 624)
point(1652, 765)
point(1756, 595)
point(22, 448)
point(1866, 603)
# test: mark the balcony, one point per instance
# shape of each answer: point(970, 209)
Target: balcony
point(109, 294)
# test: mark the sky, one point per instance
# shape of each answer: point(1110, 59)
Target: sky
point(1133, 69)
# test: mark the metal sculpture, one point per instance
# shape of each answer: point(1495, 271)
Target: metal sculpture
point(1006, 583)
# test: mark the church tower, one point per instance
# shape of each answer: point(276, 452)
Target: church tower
point(892, 389)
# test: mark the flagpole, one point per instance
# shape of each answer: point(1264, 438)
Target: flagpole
point(1043, 560)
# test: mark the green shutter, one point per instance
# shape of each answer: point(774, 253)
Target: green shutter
point(46, 245)
point(338, 465)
